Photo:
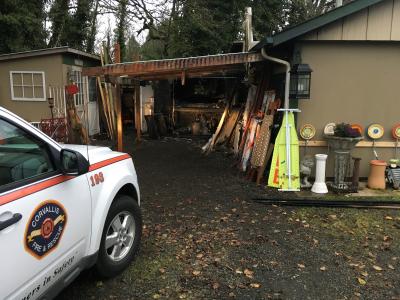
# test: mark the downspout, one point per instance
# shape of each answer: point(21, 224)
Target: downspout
point(287, 81)
point(286, 109)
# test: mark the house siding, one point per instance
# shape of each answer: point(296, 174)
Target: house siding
point(32, 111)
point(379, 22)
point(352, 82)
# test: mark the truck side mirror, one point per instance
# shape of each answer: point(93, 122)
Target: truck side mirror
point(73, 162)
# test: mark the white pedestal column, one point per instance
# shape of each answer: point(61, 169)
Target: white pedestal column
point(319, 185)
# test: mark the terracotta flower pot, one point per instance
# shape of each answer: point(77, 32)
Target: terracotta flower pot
point(376, 178)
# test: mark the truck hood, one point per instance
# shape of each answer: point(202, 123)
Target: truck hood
point(93, 154)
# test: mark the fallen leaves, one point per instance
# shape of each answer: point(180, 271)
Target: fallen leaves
point(361, 281)
point(248, 273)
point(386, 238)
point(377, 268)
point(215, 285)
point(196, 272)
point(364, 273)
point(333, 217)
point(273, 263)
point(182, 296)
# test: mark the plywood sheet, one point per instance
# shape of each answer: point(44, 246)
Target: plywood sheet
point(229, 126)
point(380, 21)
point(355, 26)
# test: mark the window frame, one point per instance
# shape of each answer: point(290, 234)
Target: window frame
point(52, 154)
point(14, 98)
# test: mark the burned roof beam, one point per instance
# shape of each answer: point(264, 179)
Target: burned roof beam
point(154, 67)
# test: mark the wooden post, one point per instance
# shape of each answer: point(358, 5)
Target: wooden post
point(138, 115)
point(118, 102)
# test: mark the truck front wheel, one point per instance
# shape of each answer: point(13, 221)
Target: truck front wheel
point(121, 236)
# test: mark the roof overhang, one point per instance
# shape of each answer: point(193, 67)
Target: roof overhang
point(315, 23)
point(179, 67)
point(48, 51)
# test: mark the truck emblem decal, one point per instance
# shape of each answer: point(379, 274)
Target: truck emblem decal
point(45, 228)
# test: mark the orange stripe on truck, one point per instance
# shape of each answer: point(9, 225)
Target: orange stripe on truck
point(107, 162)
point(37, 187)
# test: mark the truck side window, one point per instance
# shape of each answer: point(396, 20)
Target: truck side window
point(21, 156)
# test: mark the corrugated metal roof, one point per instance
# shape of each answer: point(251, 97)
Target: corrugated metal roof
point(176, 66)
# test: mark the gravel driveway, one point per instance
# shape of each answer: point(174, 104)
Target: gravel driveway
point(204, 238)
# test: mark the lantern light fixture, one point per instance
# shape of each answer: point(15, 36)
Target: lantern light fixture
point(300, 81)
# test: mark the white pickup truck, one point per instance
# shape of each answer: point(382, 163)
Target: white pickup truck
point(63, 208)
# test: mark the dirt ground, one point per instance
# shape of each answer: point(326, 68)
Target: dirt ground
point(204, 238)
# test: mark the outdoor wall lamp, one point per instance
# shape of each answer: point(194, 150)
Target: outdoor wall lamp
point(300, 81)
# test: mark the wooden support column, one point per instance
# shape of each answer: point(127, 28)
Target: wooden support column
point(138, 115)
point(118, 102)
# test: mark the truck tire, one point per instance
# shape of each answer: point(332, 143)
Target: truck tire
point(121, 237)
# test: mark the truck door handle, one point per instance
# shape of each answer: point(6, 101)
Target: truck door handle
point(14, 219)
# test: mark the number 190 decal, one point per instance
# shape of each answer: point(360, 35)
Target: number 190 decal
point(97, 179)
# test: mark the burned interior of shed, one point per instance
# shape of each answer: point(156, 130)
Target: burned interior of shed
point(230, 99)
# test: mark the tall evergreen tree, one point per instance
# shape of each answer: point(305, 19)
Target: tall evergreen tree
point(60, 18)
point(72, 26)
point(269, 16)
point(120, 30)
point(204, 27)
point(91, 38)
point(80, 25)
point(132, 49)
point(302, 10)
point(22, 25)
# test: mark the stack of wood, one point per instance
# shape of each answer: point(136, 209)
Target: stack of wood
point(107, 95)
point(247, 130)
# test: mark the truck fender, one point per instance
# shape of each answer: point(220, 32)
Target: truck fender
point(102, 200)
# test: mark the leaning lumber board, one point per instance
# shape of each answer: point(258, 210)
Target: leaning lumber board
point(228, 127)
point(215, 135)
point(104, 107)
